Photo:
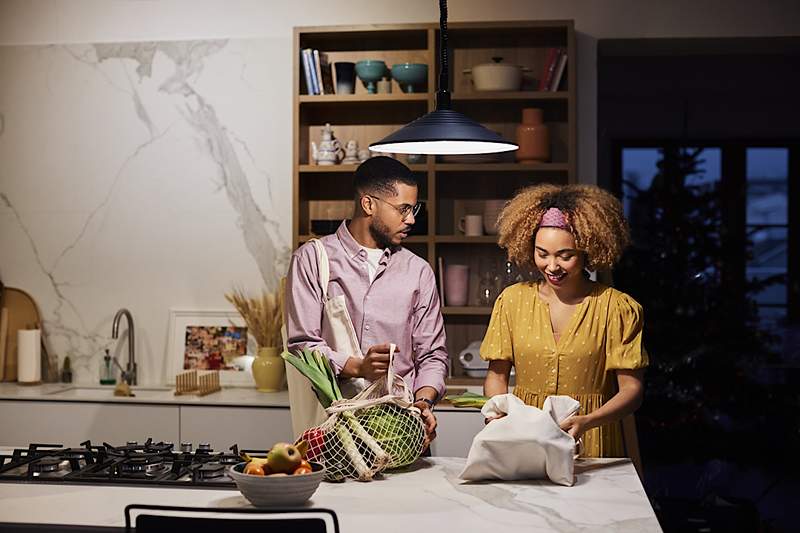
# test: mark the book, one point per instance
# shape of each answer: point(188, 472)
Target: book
point(312, 71)
point(306, 72)
point(318, 73)
point(551, 56)
point(309, 65)
point(559, 70)
point(327, 74)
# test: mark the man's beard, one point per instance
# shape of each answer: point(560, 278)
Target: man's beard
point(380, 233)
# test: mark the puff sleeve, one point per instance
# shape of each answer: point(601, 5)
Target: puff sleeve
point(624, 348)
point(497, 341)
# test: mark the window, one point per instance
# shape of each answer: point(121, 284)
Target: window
point(764, 211)
point(767, 228)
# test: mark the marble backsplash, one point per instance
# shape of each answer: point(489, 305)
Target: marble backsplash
point(143, 175)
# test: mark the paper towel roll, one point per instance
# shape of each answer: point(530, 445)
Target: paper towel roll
point(29, 355)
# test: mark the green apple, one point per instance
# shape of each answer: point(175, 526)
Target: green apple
point(284, 458)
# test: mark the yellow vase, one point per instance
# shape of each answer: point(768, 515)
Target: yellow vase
point(268, 369)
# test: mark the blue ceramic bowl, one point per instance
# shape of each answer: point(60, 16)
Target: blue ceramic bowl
point(370, 71)
point(410, 76)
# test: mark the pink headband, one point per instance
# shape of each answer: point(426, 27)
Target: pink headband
point(555, 218)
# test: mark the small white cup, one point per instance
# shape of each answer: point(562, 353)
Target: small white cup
point(471, 225)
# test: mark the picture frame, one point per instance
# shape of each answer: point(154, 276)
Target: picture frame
point(210, 339)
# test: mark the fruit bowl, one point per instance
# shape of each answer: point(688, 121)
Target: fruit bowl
point(277, 490)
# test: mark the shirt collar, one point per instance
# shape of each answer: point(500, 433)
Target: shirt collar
point(351, 246)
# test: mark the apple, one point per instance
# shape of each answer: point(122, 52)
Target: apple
point(284, 458)
point(254, 469)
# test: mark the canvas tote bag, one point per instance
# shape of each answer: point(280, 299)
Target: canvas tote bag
point(527, 443)
point(340, 335)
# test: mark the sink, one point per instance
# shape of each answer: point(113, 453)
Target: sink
point(107, 391)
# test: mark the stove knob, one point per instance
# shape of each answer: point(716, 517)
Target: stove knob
point(204, 447)
point(186, 447)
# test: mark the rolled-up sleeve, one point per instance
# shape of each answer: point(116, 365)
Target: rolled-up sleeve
point(304, 307)
point(428, 337)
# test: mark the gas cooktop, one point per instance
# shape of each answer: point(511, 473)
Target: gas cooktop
point(150, 463)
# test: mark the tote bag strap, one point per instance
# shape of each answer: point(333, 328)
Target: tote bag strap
point(324, 267)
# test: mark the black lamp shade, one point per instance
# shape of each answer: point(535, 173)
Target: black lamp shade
point(443, 132)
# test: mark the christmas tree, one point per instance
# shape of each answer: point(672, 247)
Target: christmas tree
point(706, 345)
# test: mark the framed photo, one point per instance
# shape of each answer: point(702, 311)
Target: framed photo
point(210, 340)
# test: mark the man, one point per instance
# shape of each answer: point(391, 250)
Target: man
point(390, 293)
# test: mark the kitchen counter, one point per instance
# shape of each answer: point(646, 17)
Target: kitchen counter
point(163, 395)
point(607, 496)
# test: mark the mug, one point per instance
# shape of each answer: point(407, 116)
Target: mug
point(471, 225)
point(456, 284)
point(345, 77)
point(491, 212)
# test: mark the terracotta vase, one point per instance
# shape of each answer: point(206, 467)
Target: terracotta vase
point(533, 137)
point(268, 369)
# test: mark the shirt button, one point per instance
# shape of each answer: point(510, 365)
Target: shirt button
point(366, 327)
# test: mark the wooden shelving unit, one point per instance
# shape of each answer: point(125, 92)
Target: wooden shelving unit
point(449, 189)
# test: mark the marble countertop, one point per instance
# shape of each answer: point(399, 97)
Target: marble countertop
point(163, 395)
point(607, 496)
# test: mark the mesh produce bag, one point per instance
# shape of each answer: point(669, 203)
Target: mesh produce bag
point(378, 429)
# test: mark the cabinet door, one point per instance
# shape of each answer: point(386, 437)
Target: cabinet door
point(455, 432)
point(254, 428)
point(70, 423)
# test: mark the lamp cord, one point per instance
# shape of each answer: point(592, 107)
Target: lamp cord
point(443, 92)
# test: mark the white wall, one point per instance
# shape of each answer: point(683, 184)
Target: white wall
point(162, 188)
point(81, 21)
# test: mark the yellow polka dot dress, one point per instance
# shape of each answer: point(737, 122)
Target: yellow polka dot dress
point(604, 334)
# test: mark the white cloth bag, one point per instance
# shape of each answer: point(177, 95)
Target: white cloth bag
point(527, 443)
point(340, 335)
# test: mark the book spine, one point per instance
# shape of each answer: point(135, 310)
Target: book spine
point(318, 72)
point(559, 71)
point(547, 72)
point(307, 72)
point(327, 75)
point(312, 68)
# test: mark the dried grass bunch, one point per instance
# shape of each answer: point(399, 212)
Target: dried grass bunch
point(263, 315)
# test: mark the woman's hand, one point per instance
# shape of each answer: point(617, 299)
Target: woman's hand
point(490, 418)
point(576, 426)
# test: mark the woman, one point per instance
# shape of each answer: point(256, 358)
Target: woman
point(565, 334)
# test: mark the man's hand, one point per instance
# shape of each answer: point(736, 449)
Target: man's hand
point(429, 420)
point(374, 365)
point(376, 362)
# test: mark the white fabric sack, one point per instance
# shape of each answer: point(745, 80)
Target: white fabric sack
point(338, 333)
point(527, 443)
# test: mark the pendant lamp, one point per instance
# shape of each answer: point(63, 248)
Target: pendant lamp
point(443, 131)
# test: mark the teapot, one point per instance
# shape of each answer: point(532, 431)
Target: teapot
point(329, 151)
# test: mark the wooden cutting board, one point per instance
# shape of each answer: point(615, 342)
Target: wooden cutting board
point(22, 314)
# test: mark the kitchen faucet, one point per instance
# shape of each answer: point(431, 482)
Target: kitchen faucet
point(129, 374)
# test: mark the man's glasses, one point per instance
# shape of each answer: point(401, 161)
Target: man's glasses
point(405, 210)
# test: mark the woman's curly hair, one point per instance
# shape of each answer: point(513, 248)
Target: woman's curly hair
point(595, 216)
